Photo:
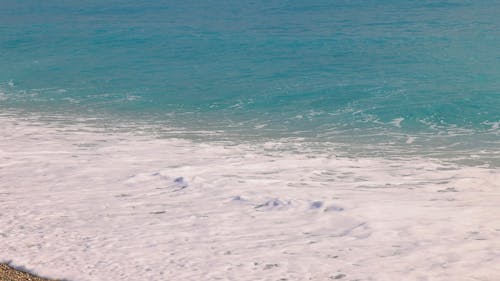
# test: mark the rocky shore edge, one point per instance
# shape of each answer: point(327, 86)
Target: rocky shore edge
point(9, 272)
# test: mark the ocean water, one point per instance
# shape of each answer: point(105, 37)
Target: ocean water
point(250, 140)
point(382, 78)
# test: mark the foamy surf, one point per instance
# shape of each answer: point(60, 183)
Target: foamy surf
point(88, 205)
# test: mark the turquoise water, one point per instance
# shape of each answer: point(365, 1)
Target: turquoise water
point(384, 77)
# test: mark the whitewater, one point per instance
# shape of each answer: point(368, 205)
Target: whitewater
point(82, 202)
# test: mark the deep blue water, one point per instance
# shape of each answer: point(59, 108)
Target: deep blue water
point(376, 75)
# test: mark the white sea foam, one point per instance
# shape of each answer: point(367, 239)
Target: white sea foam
point(397, 122)
point(87, 205)
point(494, 125)
point(410, 139)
